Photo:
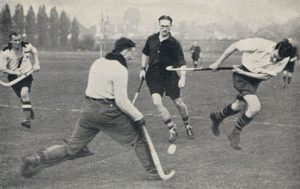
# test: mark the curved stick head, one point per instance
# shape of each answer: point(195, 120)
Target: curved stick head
point(169, 68)
point(167, 176)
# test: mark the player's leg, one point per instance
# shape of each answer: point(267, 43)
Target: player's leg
point(195, 63)
point(26, 106)
point(253, 107)
point(164, 113)
point(285, 79)
point(195, 60)
point(289, 78)
point(183, 111)
point(229, 110)
point(73, 148)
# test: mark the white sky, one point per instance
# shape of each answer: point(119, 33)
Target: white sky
point(253, 13)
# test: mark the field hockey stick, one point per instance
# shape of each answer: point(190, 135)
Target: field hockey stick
point(171, 68)
point(8, 84)
point(153, 152)
point(137, 92)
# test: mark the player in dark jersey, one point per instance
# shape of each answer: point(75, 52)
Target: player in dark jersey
point(196, 54)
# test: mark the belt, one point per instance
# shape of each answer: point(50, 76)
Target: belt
point(101, 99)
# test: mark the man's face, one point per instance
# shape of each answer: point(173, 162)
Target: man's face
point(275, 56)
point(16, 41)
point(165, 27)
point(130, 53)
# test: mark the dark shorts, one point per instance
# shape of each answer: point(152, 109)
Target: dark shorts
point(195, 57)
point(161, 81)
point(244, 85)
point(290, 67)
point(23, 83)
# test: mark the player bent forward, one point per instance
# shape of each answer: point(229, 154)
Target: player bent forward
point(15, 61)
point(261, 60)
point(106, 108)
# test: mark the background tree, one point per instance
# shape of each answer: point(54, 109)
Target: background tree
point(87, 42)
point(5, 23)
point(30, 28)
point(19, 19)
point(132, 18)
point(53, 27)
point(42, 26)
point(75, 34)
point(64, 28)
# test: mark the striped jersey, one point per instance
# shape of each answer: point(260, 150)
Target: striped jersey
point(9, 60)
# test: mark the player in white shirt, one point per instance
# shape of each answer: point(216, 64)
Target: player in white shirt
point(15, 61)
point(106, 108)
point(261, 60)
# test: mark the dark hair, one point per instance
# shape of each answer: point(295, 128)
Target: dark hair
point(123, 43)
point(165, 17)
point(14, 33)
point(285, 49)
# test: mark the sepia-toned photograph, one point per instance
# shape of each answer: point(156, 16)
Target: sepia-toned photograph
point(149, 94)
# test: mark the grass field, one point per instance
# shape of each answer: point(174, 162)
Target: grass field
point(270, 157)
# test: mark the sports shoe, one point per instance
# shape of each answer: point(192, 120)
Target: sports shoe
point(189, 132)
point(234, 138)
point(31, 166)
point(172, 134)
point(215, 123)
point(153, 175)
point(26, 123)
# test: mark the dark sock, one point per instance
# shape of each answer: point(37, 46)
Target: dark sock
point(242, 122)
point(26, 106)
point(227, 111)
point(186, 121)
point(289, 79)
point(170, 123)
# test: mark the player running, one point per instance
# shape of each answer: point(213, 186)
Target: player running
point(162, 50)
point(15, 61)
point(106, 108)
point(261, 60)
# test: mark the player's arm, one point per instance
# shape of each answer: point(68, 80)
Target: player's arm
point(120, 83)
point(181, 64)
point(145, 60)
point(36, 61)
point(230, 50)
point(261, 76)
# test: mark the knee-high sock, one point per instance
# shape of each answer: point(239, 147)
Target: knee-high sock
point(227, 111)
point(27, 109)
point(242, 122)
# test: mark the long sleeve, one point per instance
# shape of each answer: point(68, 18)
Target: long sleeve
point(121, 96)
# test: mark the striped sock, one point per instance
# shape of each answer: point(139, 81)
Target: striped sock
point(186, 120)
point(170, 123)
point(27, 108)
point(242, 122)
point(227, 111)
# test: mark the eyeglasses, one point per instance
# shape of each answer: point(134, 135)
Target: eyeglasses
point(165, 26)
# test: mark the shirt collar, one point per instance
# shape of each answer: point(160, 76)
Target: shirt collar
point(170, 38)
point(116, 56)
